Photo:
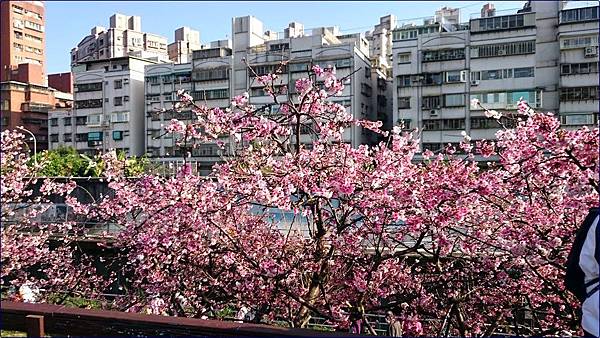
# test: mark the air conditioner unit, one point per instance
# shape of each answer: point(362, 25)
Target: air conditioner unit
point(501, 52)
point(474, 82)
point(415, 78)
point(434, 112)
point(590, 52)
point(463, 76)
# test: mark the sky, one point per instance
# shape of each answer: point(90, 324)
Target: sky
point(68, 22)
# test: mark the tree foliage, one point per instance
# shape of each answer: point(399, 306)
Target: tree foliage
point(336, 232)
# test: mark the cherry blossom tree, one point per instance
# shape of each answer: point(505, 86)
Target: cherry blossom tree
point(296, 223)
point(37, 250)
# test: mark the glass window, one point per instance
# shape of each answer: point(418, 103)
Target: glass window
point(117, 135)
point(524, 72)
point(118, 101)
point(404, 102)
point(94, 136)
point(403, 57)
point(454, 100)
point(118, 84)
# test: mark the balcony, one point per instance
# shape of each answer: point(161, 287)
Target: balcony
point(502, 22)
point(35, 107)
point(576, 15)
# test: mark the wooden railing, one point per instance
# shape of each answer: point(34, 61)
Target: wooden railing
point(40, 319)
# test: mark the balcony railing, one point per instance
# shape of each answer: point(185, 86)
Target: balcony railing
point(35, 107)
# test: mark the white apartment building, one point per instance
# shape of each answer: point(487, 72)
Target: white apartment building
point(206, 78)
point(186, 41)
point(265, 50)
point(498, 58)
point(578, 36)
point(108, 111)
point(123, 37)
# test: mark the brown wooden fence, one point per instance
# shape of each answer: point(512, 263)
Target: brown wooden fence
point(40, 319)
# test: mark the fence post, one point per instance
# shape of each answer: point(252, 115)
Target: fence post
point(35, 326)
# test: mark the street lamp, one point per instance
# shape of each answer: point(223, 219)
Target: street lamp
point(34, 143)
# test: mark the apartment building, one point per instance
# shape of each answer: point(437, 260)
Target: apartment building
point(22, 26)
point(123, 37)
point(108, 110)
point(497, 58)
point(265, 50)
point(186, 41)
point(26, 104)
point(206, 78)
point(578, 37)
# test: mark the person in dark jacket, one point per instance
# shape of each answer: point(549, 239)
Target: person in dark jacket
point(583, 269)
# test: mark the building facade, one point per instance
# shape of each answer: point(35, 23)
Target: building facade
point(264, 51)
point(22, 26)
point(498, 58)
point(108, 111)
point(207, 79)
point(124, 37)
point(578, 38)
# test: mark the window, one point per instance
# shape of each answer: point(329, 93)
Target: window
point(503, 49)
point(341, 63)
point(33, 38)
point(211, 74)
point(54, 122)
point(484, 123)
point(94, 120)
point(92, 103)
point(88, 87)
point(94, 136)
point(67, 137)
point(118, 101)
point(120, 117)
point(432, 124)
point(403, 57)
point(443, 55)
point(125, 98)
point(498, 23)
point(53, 137)
point(404, 81)
point(579, 68)
point(213, 94)
point(579, 93)
point(81, 137)
point(117, 135)
point(524, 72)
point(153, 98)
point(268, 69)
point(153, 79)
point(579, 14)
point(403, 102)
point(67, 121)
point(454, 100)
point(118, 84)
point(279, 47)
point(431, 102)
point(34, 26)
point(579, 42)
point(579, 119)
point(18, 35)
point(432, 79)
point(456, 76)
point(299, 67)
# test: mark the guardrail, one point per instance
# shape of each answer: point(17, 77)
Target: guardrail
point(39, 319)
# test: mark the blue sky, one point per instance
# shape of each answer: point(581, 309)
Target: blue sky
point(67, 22)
